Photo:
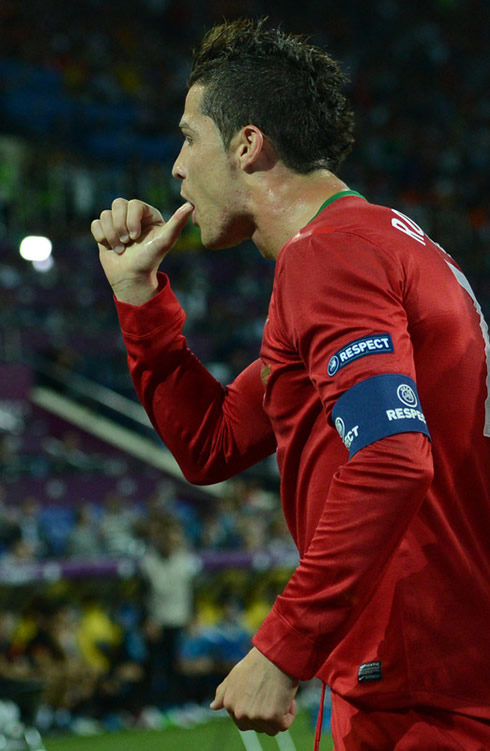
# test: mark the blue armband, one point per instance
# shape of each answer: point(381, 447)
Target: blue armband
point(376, 408)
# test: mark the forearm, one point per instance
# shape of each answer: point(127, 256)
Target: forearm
point(370, 505)
point(213, 432)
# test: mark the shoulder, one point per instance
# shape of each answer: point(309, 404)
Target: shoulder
point(331, 248)
point(354, 234)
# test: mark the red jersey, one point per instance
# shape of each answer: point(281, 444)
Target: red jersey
point(373, 334)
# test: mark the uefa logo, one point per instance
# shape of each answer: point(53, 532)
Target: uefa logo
point(406, 395)
point(339, 424)
point(333, 365)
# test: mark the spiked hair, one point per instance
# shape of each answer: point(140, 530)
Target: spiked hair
point(288, 88)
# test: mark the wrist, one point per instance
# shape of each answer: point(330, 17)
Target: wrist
point(136, 291)
point(279, 671)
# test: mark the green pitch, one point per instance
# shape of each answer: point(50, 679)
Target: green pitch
point(217, 735)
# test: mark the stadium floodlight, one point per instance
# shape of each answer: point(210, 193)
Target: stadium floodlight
point(35, 248)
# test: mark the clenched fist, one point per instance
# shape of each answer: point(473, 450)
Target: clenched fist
point(258, 695)
point(133, 238)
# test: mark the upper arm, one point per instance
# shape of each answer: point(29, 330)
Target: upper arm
point(347, 314)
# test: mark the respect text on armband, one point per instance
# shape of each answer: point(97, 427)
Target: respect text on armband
point(376, 408)
point(349, 436)
point(405, 413)
point(369, 345)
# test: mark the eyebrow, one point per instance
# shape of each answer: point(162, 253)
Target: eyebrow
point(184, 125)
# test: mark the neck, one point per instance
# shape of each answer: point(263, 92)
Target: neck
point(286, 203)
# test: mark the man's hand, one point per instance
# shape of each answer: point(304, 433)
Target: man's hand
point(258, 695)
point(133, 238)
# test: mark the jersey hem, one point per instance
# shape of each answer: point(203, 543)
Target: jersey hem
point(396, 701)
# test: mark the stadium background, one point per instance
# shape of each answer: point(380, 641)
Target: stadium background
point(90, 95)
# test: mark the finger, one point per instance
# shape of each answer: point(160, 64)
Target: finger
point(288, 720)
point(176, 223)
point(119, 219)
point(270, 724)
point(110, 234)
point(100, 238)
point(140, 215)
point(217, 702)
point(98, 233)
point(269, 727)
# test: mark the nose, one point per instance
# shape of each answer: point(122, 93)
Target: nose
point(178, 169)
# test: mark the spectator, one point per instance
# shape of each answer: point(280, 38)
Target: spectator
point(98, 635)
point(30, 529)
point(170, 570)
point(118, 526)
point(84, 540)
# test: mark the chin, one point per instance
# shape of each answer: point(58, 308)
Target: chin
point(217, 243)
point(231, 234)
point(221, 244)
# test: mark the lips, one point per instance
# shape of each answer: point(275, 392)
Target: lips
point(193, 215)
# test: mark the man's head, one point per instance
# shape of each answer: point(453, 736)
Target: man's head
point(280, 83)
point(265, 125)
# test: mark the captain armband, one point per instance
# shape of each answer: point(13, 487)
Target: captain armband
point(376, 408)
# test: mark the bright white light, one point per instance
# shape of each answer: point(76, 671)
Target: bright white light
point(35, 248)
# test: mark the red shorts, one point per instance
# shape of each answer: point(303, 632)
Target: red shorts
point(416, 729)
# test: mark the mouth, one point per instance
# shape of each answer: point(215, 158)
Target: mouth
point(188, 200)
point(194, 210)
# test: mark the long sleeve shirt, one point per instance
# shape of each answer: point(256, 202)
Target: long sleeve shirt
point(389, 604)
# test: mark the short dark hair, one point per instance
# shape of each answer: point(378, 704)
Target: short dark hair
point(287, 87)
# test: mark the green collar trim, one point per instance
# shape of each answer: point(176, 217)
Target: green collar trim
point(333, 198)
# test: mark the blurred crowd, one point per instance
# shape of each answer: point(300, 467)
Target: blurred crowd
point(119, 652)
point(98, 646)
point(161, 636)
point(65, 494)
point(90, 96)
point(95, 91)
point(245, 518)
point(93, 661)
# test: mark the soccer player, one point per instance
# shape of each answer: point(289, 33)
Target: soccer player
point(372, 386)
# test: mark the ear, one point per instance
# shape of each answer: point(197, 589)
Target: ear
point(253, 150)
